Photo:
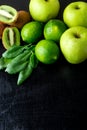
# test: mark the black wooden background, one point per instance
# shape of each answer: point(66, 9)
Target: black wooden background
point(53, 98)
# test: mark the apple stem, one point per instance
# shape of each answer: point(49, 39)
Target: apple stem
point(77, 35)
point(77, 7)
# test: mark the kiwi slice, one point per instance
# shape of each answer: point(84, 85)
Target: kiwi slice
point(10, 37)
point(7, 14)
point(23, 18)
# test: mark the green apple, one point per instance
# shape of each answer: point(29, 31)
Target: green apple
point(44, 10)
point(75, 14)
point(73, 44)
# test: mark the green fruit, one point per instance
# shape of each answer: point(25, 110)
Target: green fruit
point(44, 10)
point(8, 14)
point(47, 51)
point(32, 32)
point(54, 29)
point(10, 37)
point(73, 44)
point(75, 14)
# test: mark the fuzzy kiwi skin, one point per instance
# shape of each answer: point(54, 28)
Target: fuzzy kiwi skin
point(23, 18)
point(2, 27)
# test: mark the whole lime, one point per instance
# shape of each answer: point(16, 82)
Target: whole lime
point(32, 32)
point(53, 29)
point(47, 51)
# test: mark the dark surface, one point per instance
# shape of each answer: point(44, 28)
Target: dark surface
point(53, 98)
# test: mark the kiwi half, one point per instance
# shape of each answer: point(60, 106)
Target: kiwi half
point(10, 37)
point(7, 14)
